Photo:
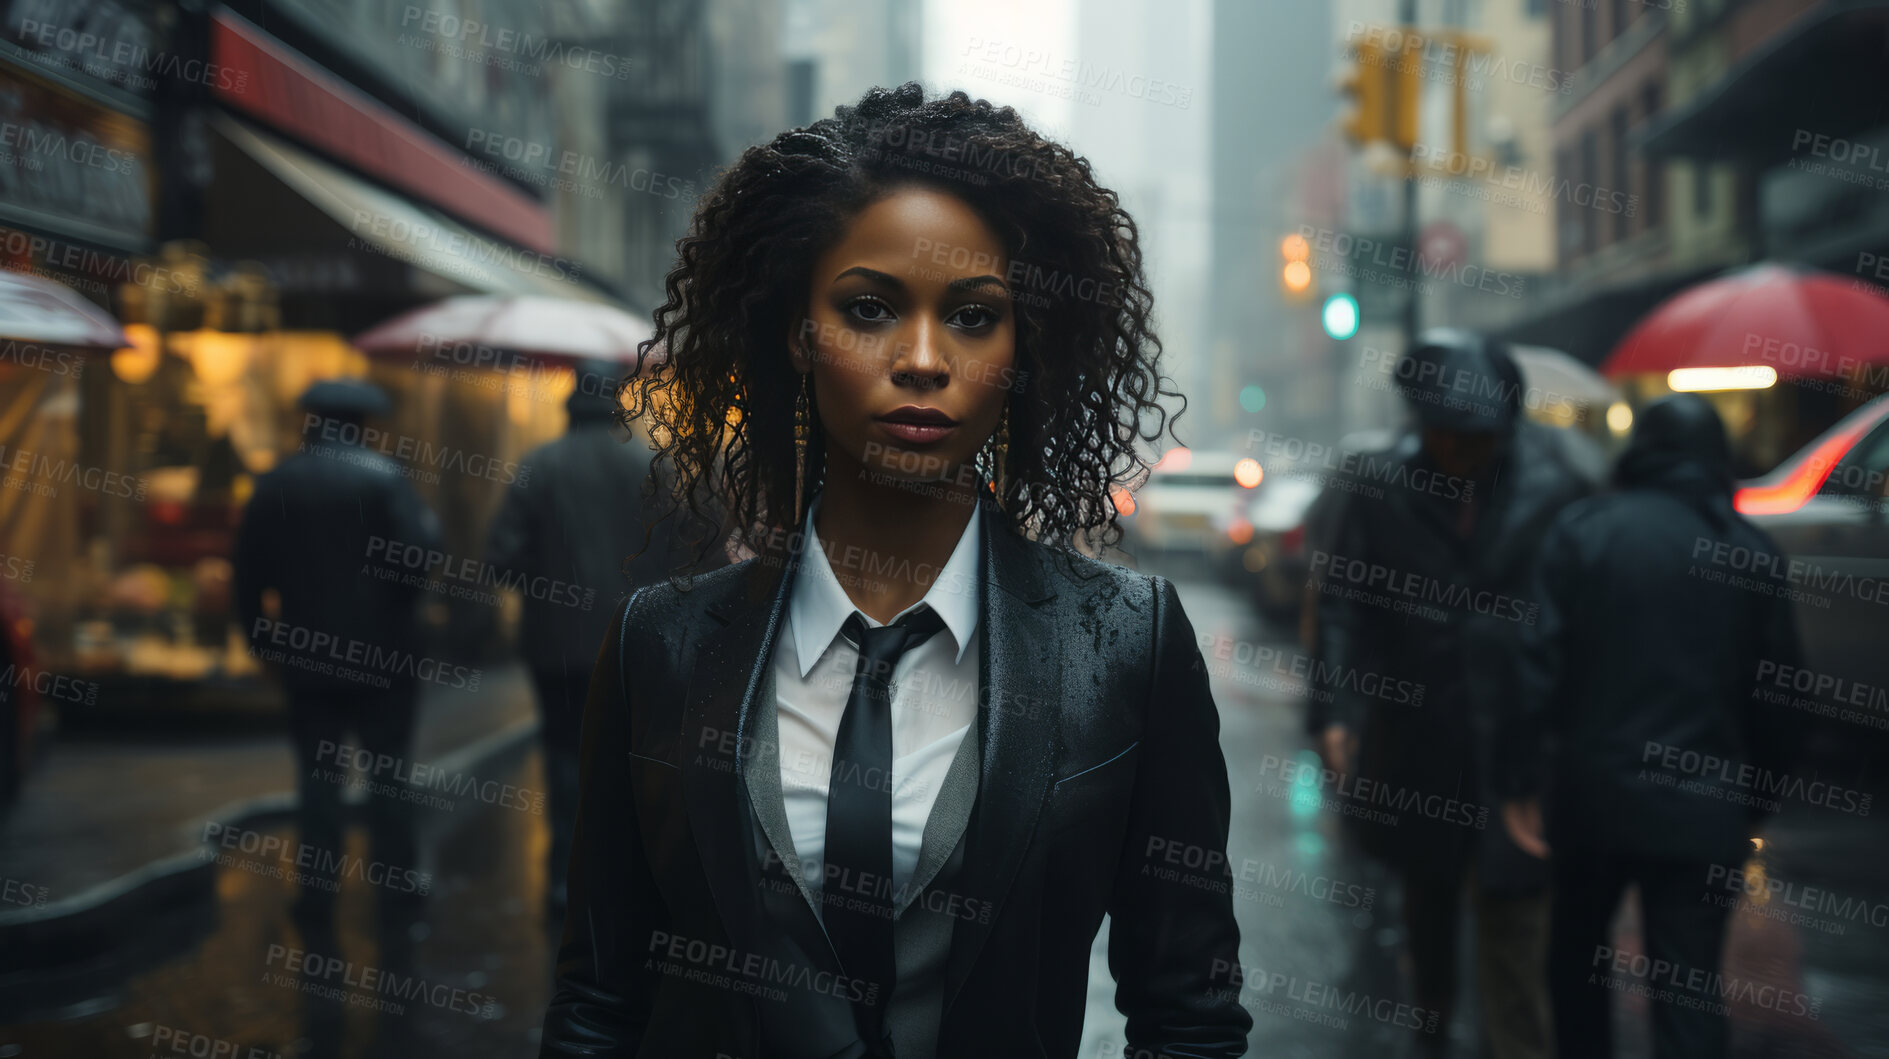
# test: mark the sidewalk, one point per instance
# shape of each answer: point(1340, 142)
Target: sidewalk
point(107, 831)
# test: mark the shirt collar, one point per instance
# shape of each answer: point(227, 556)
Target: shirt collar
point(818, 607)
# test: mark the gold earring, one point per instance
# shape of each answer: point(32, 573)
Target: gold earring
point(803, 427)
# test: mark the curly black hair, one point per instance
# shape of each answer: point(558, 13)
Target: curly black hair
point(721, 402)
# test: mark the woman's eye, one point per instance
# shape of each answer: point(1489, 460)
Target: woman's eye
point(973, 317)
point(870, 311)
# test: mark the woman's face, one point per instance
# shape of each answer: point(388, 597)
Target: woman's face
point(910, 336)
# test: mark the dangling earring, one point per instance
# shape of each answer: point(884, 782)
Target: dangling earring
point(1000, 455)
point(803, 440)
point(802, 428)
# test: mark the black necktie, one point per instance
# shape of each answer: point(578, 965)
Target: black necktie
point(857, 894)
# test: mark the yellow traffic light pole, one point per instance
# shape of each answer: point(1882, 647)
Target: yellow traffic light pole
point(1364, 83)
point(1385, 84)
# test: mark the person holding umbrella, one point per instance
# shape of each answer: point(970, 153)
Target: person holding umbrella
point(307, 540)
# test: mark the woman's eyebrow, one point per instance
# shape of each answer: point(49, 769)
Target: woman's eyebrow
point(870, 273)
point(955, 286)
point(973, 282)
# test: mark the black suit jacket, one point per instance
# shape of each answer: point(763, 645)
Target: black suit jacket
point(1102, 789)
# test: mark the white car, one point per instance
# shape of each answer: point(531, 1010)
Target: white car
point(1192, 503)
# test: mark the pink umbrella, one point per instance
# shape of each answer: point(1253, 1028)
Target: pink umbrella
point(33, 309)
point(529, 324)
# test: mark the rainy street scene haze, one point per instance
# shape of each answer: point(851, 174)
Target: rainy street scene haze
point(944, 529)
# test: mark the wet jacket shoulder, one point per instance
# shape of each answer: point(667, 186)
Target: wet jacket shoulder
point(1173, 950)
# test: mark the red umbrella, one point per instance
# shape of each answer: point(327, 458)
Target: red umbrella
point(1799, 322)
point(529, 324)
point(33, 309)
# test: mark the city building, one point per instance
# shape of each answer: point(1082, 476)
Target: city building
point(1776, 132)
point(245, 187)
point(1274, 165)
point(1138, 110)
point(1734, 131)
point(1629, 231)
point(836, 49)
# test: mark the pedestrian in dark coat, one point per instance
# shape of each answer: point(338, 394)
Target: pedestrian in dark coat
point(1424, 584)
point(1644, 667)
point(570, 537)
point(324, 533)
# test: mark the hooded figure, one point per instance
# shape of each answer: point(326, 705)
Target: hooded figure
point(1680, 448)
point(1642, 667)
point(1420, 602)
point(570, 537)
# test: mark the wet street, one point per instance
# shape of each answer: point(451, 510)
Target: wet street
point(1318, 922)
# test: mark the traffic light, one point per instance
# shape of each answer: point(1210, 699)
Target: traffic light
point(1385, 86)
point(1405, 82)
point(1295, 276)
point(1364, 83)
point(1340, 316)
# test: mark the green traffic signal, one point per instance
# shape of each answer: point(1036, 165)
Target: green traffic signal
point(1340, 316)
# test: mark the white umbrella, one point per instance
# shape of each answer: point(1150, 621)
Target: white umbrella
point(530, 324)
point(1554, 377)
point(33, 309)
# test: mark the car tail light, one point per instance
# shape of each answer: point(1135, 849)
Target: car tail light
point(1798, 483)
point(1123, 499)
point(1292, 541)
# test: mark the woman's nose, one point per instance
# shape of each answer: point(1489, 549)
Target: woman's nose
point(918, 360)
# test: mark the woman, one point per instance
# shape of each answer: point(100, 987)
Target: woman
point(871, 791)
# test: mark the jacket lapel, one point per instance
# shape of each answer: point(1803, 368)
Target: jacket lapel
point(1021, 665)
point(1020, 708)
point(718, 734)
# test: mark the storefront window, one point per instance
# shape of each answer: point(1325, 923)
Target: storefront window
point(187, 419)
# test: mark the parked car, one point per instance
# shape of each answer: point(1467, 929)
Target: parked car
point(1827, 507)
point(1276, 555)
point(1192, 505)
point(1289, 514)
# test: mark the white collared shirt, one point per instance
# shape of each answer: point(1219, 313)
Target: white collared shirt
point(934, 695)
